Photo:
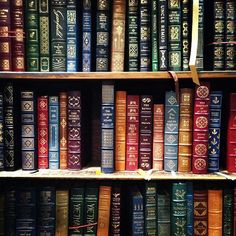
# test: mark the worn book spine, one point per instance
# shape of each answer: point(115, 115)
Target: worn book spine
point(72, 36)
point(120, 130)
point(201, 129)
point(185, 130)
point(42, 132)
point(62, 212)
point(158, 137)
point(58, 35)
point(145, 132)
point(234, 214)
point(1, 132)
point(171, 131)
point(18, 41)
point(190, 204)
point(107, 127)
point(214, 131)
point(154, 35)
point(215, 212)
point(118, 35)
point(44, 36)
point(5, 39)
point(132, 132)
point(103, 28)
point(28, 131)
point(53, 123)
point(228, 202)
point(74, 107)
point(162, 13)
point(32, 35)
point(104, 206)
point(63, 129)
point(133, 35)
point(46, 214)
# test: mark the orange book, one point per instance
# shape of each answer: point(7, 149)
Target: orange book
point(120, 130)
point(215, 211)
point(104, 205)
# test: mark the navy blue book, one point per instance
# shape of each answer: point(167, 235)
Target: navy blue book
point(189, 209)
point(46, 211)
point(1, 133)
point(53, 132)
point(214, 131)
point(26, 211)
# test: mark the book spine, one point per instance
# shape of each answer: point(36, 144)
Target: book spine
point(58, 35)
point(190, 205)
point(1, 132)
point(18, 41)
point(234, 214)
point(171, 131)
point(158, 137)
point(9, 125)
point(179, 209)
point(32, 35)
point(28, 131)
point(44, 36)
point(145, 132)
point(201, 129)
point(103, 35)
point(132, 132)
point(185, 130)
point(116, 211)
point(154, 35)
point(228, 212)
point(87, 36)
point(5, 39)
point(72, 36)
point(104, 205)
point(175, 35)
point(107, 125)
point(230, 35)
point(63, 130)
point(91, 210)
point(163, 35)
point(133, 35)
point(120, 130)
point(62, 212)
point(53, 132)
point(218, 34)
point(215, 212)
point(118, 35)
point(200, 217)
point(186, 31)
point(26, 211)
point(214, 131)
point(76, 210)
point(43, 132)
point(2, 213)
point(46, 214)
point(74, 130)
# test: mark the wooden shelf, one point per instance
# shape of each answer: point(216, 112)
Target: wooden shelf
point(94, 173)
point(114, 75)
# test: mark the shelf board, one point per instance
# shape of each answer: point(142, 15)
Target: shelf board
point(114, 75)
point(94, 173)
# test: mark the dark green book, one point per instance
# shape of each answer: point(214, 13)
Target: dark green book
point(154, 35)
point(228, 212)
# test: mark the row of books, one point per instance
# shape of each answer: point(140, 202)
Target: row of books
point(104, 209)
point(101, 35)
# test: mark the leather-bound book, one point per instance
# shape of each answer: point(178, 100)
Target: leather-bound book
point(228, 208)
point(1, 132)
point(154, 35)
point(234, 215)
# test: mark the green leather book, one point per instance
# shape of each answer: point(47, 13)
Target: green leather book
point(154, 35)
point(228, 212)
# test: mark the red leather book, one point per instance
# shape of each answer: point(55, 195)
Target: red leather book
point(42, 132)
point(158, 137)
point(231, 135)
point(5, 37)
point(132, 132)
point(200, 128)
point(17, 28)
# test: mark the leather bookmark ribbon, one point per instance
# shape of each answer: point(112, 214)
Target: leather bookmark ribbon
point(176, 80)
point(82, 226)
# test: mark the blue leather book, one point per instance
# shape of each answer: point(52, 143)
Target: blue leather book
point(28, 131)
point(1, 133)
point(26, 211)
point(87, 36)
point(214, 131)
point(46, 211)
point(72, 36)
point(107, 125)
point(189, 209)
point(171, 131)
point(53, 132)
